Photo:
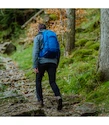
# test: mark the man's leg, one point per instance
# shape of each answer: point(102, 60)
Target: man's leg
point(52, 79)
point(38, 82)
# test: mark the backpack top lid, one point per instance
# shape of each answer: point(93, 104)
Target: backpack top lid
point(50, 45)
point(48, 33)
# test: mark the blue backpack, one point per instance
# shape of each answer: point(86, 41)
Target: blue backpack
point(50, 47)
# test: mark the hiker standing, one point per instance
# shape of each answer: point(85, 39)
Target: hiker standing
point(46, 61)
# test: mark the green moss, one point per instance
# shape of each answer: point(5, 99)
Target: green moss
point(95, 46)
point(66, 61)
point(95, 54)
point(2, 87)
point(53, 16)
point(81, 42)
point(89, 43)
point(5, 32)
point(100, 94)
point(82, 53)
point(92, 45)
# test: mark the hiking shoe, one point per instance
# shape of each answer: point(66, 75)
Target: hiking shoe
point(59, 104)
point(40, 104)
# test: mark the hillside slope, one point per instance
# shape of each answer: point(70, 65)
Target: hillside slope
point(77, 73)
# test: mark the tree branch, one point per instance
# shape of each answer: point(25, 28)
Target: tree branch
point(32, 18)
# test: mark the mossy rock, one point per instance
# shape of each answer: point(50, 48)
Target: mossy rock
point(95, 53)
point(81, 42)
point(92, 45)
point(89, 43)
point(83, 53)
point(66, 62)
point(80, 29)
point(95, 46)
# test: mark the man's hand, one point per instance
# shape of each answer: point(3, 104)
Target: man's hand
point(36, 70)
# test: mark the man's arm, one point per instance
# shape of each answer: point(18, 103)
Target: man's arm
point(58, 58)
point(35, 53)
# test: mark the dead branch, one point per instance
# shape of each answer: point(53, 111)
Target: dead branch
point(39, 12)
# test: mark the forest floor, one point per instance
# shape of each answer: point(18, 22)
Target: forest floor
point(17, 96)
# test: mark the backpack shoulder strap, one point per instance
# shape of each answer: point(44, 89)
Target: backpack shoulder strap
point(44, 35)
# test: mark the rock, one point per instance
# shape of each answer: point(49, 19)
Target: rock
point(11, 93)
point(46, 18)
point(38, 112)
point(7, 48)
point(86, 109)
point(14, 85)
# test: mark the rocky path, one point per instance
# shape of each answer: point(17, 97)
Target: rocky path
point(17, 96)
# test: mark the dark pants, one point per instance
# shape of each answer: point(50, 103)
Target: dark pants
point(51, 70)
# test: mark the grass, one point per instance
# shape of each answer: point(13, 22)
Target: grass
point(76, 76)
point(23, 57)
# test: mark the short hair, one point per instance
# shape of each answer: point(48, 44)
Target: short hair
point(42, 26)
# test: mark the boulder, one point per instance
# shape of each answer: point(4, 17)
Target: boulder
point(86, 109)
point(7, 48)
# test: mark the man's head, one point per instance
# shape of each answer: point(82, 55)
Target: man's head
point(41, 27)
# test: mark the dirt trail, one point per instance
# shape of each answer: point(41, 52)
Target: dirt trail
point(17, 96)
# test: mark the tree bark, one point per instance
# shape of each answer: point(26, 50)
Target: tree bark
point(103, 62)
point(70, 42)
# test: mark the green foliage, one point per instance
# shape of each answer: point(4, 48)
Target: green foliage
point(8, 23)
point(93, 20)
point(99, 95)
point(23, 57)
point(2, 87)
point(53, 16)
point(11, 21)
point(78, 76)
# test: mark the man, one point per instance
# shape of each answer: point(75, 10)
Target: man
point(42, 64)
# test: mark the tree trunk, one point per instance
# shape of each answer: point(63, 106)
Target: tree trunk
point(70, 42)
point(103, 62)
